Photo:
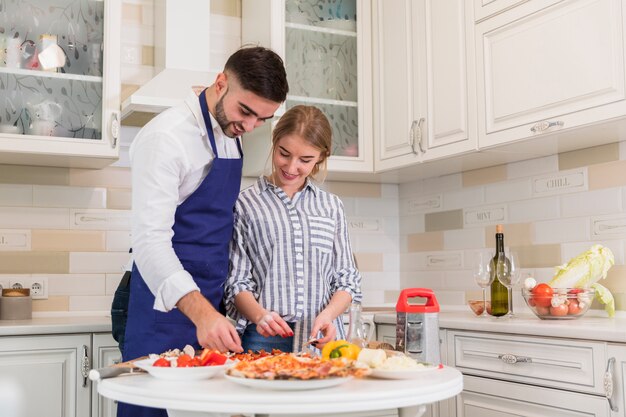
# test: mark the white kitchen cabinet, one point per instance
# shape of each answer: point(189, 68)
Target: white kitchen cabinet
point(105, 353)
point(424, 87)
point(534, 376)
point(67, 115)
point(49, 371)
point(546, 66)
point(486, 8)
point(483, 397)
point(325, 46)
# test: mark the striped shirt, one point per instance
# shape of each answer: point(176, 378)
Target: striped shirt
point(291, 254)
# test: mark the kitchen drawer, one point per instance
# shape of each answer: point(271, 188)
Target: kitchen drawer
point(565, 364)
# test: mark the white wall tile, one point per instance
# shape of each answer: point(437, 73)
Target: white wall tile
point(533, 210)
point(380, 281)
point(374, 297)
point(77, 197)
point(435, 260)
point(390, 191)
point(98, 262)
point(16, 195)
point(75, 284)
point(420, 204)
point(376, 207)
point(532, 167)
point(604, 201)
point(137, 34)
point(466, 197)
point(561, 230)
point(127, 134)
point(118, 241)
point(450, 297)
point(34, 218)
point(464, 238)
point(391, 262)
point(124, 159)
point(15, 239)
point(96, 219)
point(423, 279)
point(379, 243)
point(460, 280)
point(507, 191)
point(91, 303)
point(372, 225)
point(412, 224)
point(570, 250)
point(544, 274)
point(111, 283)
point(349, 206)
point(432, 185)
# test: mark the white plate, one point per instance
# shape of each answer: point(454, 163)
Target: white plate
point(402, 373)
point(289, 384)
point(182, 374)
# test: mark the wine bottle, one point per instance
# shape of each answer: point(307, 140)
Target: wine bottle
point(499, 293)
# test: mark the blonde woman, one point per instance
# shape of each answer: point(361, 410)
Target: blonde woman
point(292, 273)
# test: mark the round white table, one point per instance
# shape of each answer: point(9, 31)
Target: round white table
point(219, 395)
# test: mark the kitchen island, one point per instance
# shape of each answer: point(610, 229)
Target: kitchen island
point(219, 395)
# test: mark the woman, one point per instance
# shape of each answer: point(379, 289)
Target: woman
point(292, 272)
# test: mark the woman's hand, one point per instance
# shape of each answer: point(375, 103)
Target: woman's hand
point(323, 323)
point(272, 324)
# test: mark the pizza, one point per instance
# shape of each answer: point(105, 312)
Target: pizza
point(289, 366)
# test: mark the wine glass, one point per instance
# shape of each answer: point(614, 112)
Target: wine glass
point(508, 274)
point(483, 276)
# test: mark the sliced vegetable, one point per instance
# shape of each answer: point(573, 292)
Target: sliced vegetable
point(585, 269)
point(340, 349)
point(162, 362)
point(605, 297)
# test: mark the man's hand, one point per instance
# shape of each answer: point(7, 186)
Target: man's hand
point(213, 330)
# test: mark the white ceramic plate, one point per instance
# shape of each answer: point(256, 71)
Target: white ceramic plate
point(288, 385)
point(403, 373)
point(182, 374)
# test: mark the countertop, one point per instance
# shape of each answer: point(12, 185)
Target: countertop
point(56, 325)
point(587, 328)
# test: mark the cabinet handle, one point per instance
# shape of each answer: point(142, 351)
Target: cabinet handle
point(419, 134)
point(608, 384)
point(85, 365)
point(545, 125)
point(509, 358)
point(115, 129)
point(412, 137)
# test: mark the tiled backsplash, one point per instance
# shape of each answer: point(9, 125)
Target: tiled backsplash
point(553, 208)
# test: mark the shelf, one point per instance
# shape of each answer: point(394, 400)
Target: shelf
point(316, 100)
point(47, 74)
point(321, 29)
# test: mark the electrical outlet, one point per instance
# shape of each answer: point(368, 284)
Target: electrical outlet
point(38, 286)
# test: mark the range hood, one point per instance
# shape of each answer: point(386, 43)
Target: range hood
point(182, 56)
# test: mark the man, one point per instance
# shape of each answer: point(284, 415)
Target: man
point(186, 173)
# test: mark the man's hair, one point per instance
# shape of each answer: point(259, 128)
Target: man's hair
point(260, 71)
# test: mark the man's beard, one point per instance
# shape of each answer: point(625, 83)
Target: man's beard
point(220, 116)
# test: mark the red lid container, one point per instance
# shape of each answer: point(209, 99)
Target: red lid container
point(403, 305)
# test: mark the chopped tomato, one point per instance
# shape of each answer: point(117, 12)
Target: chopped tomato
point(542, 295)
point(162, 362)
point(210, 357)
point(184, 361)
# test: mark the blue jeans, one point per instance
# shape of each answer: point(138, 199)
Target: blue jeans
point(252, 340)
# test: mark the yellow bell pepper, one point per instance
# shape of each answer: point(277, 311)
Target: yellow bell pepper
point(340, 349)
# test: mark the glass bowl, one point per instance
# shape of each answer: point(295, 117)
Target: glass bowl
point(564, 304)
point(477, 306)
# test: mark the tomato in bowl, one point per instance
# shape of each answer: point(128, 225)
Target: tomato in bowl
point(549, 303)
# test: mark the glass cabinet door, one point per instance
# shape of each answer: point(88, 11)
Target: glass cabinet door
point(51, 68)
point(322, 66)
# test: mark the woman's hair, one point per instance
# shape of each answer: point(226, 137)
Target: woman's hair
point(311, 124)
point(259, 70)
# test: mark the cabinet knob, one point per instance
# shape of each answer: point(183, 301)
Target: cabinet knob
point(509, 358)
point(545, 125)
point(608, 384)
point(115, 129)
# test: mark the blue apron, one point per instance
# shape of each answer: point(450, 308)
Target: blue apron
point(203, 229)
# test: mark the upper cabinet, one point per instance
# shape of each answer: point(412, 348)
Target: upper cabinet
point(546, 66)
point(325, 46)
point(59, 82)
point(424, 88)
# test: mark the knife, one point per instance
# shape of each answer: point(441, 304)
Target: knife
point(127, 367)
